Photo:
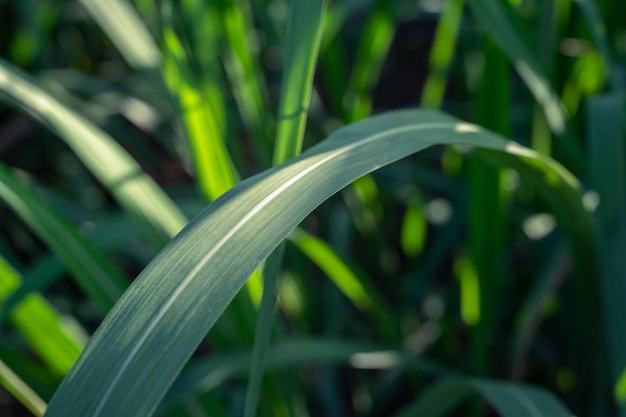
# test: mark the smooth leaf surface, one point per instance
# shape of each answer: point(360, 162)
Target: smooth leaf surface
point(304, 32)
point(126, 30)
point(304, 35)
point(359, 289)
point(41, 326)
point(20, 390)
point(152, 331)
point(214, 168)
point(100, 279)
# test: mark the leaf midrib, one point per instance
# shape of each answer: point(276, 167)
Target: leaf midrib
point(169, 301)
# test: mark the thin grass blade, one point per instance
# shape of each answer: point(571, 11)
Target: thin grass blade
point(41, 326)
point(357, 288)
point(93, 273)
point(505, 27)
point(442, 53)
point(304, 33)
point(135, 191)
point(487, 209)
point(20, 390)
point(243, 69)
point(371, 52)
point(214, 167)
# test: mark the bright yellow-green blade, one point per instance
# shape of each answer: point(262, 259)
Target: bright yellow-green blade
point(507, 30)
point(303, 41)
point(302, 45)
point(92, 271)
point(135, 191)
point(120, 22)
point(241, 59)
point(442, 53)
point(215, 170)
point(20, 390)
point(180, 295)
point(40, 325)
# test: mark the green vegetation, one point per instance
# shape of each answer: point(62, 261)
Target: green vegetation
point(311, 208)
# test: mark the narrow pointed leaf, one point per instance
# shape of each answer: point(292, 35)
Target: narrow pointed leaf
point(506, 29)
point(149, 335)
point(303, 41)
point(41, 326)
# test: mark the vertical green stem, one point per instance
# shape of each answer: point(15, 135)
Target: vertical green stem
point(486, 213)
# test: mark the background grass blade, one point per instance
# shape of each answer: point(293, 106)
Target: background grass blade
point(93, 273)
point(172, 315)
point(41, 326)
point(509, 32)
point(20, 390)
point(263, 331)
point(106, 159)
point(303, 38)
point(242, 67)
point(126, 30)
point(371, 52)
point(487, 209)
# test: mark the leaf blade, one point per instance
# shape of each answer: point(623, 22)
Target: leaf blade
point(171, 316)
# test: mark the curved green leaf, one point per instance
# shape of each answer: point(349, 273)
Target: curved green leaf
point(154, 328)
point(358, 289)
point(41, 326)
point(126, 30)
point(507, 30)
